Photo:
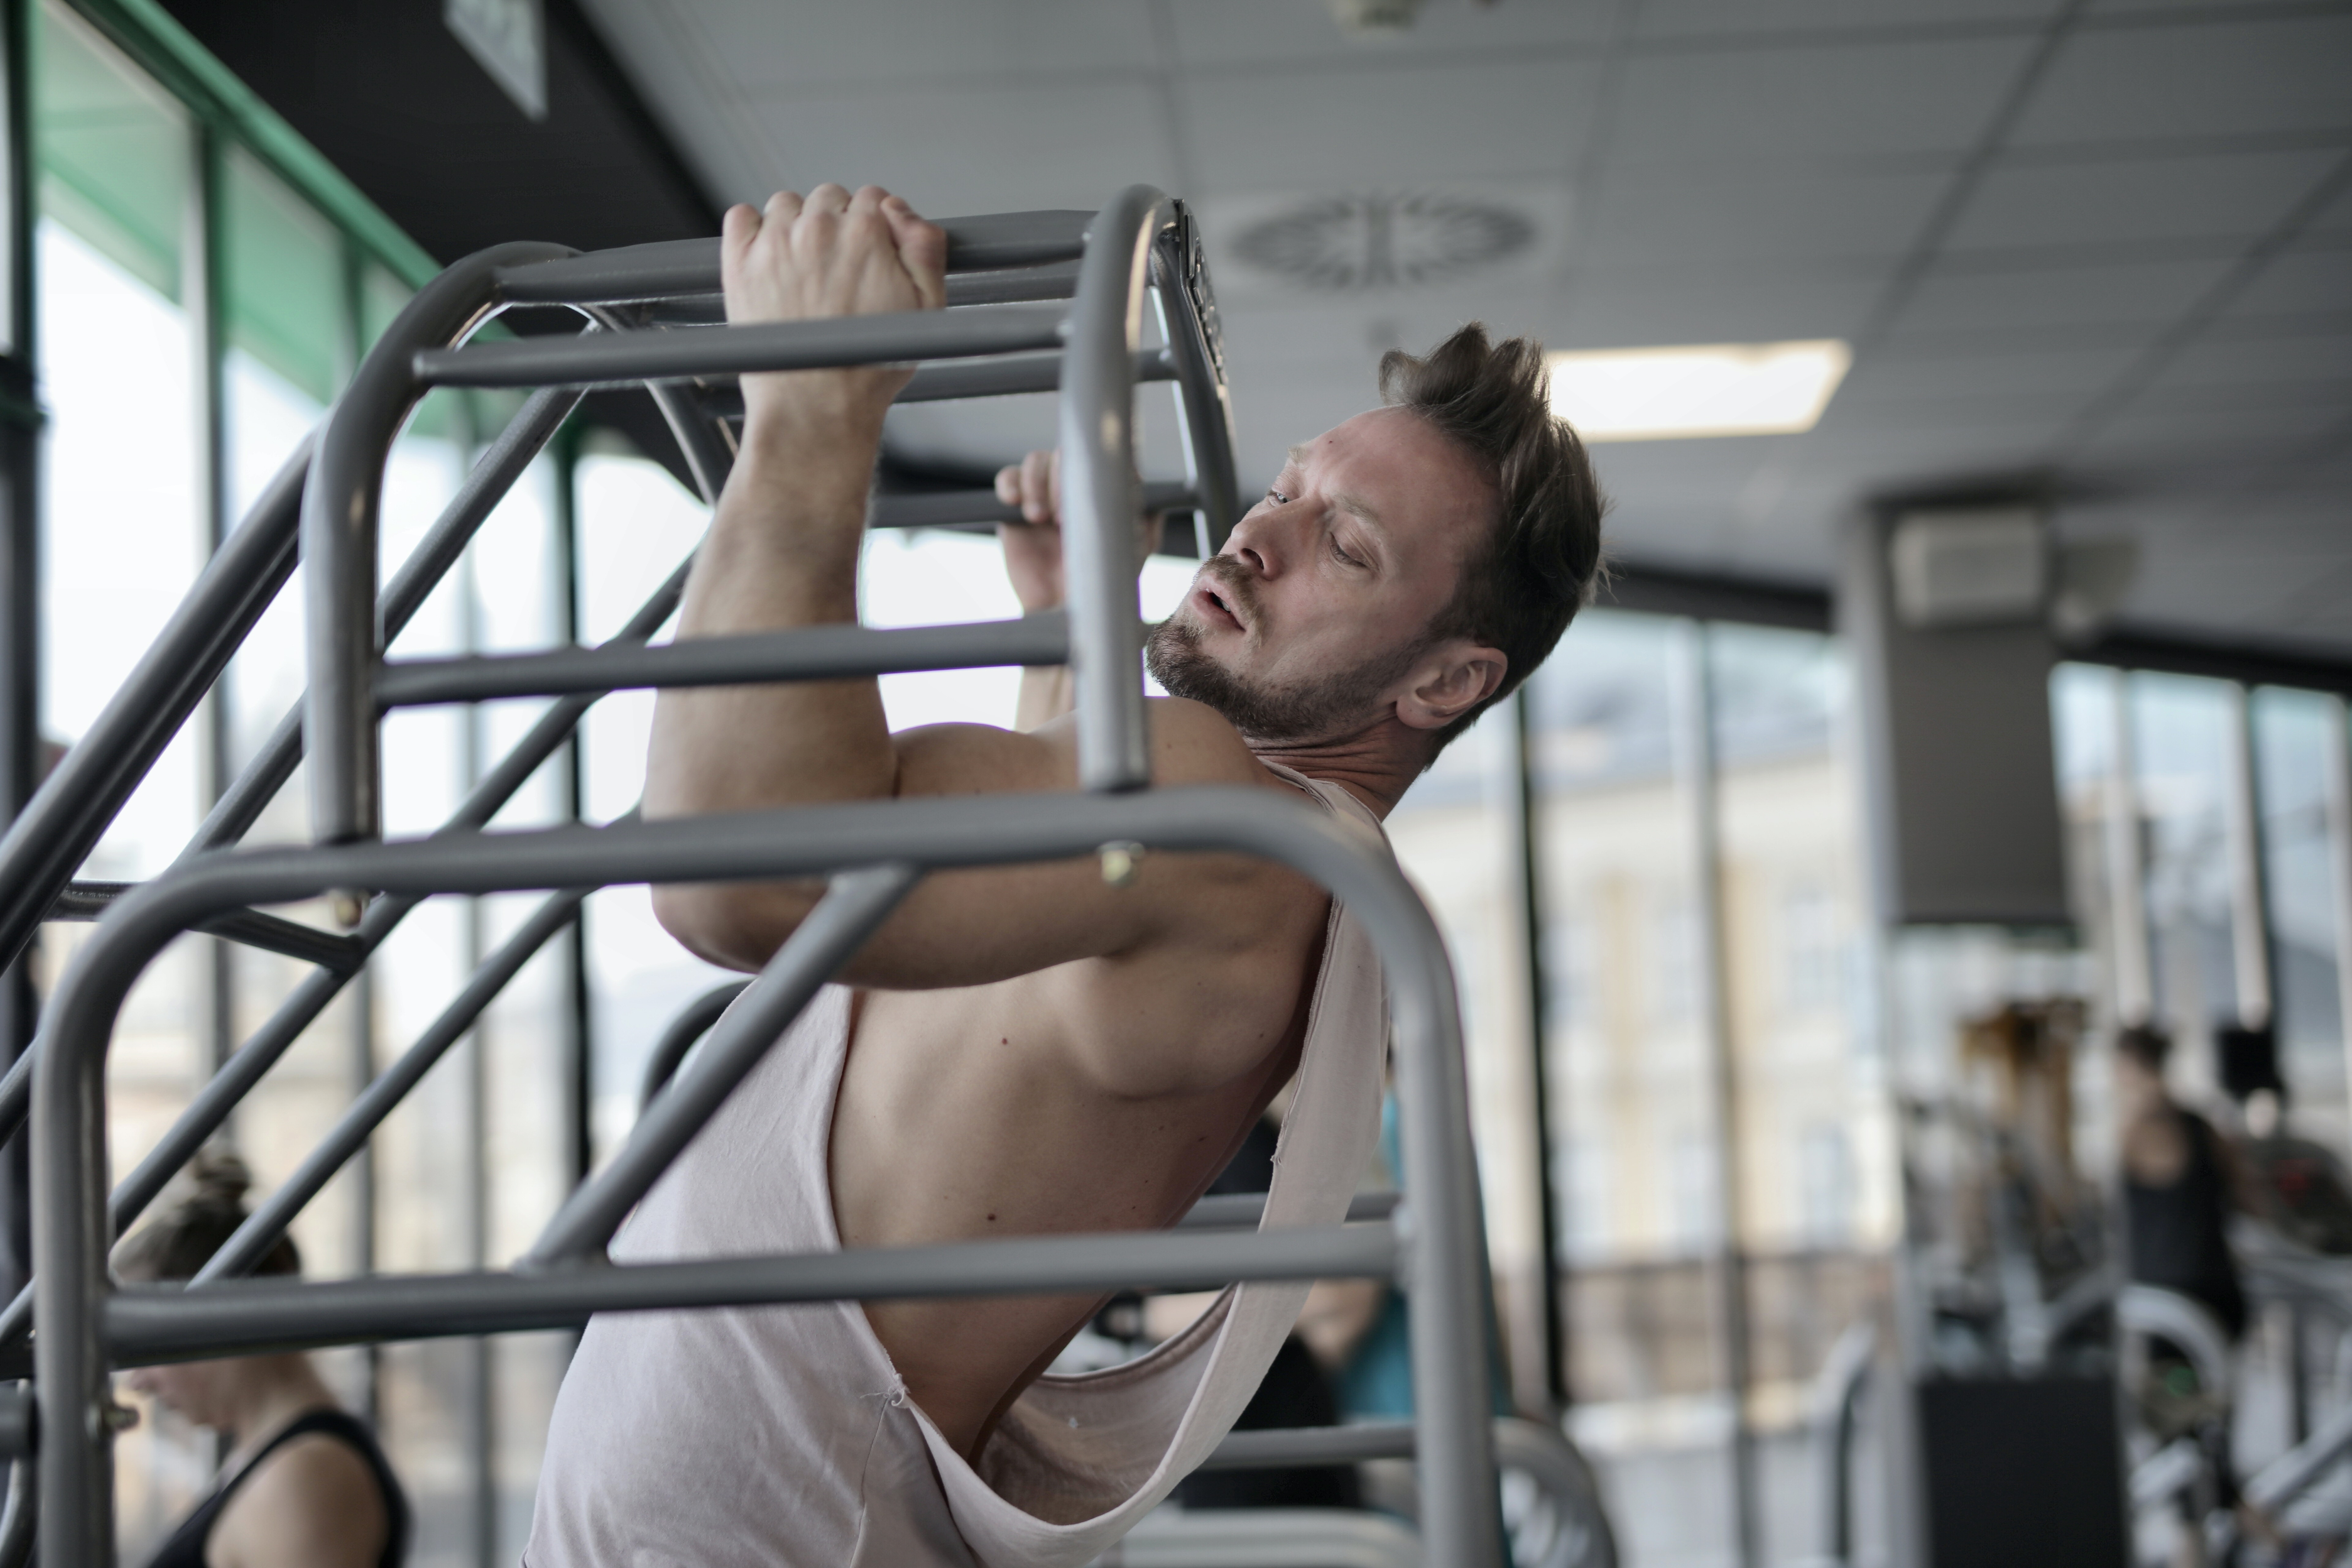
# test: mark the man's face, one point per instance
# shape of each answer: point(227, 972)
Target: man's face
point(1313, 620)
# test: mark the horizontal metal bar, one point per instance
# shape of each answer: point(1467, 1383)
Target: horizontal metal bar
point(812, 653)
point(1249, 1208)
point(1018, 286)
point(146, 1325)
point(683, 1030)
point(986, 242)
point(250, 928)
point(600, 359)
point(1287, 1448)
point(1011, 376)
point(958, 508)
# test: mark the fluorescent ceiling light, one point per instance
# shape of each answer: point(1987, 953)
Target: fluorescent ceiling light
point(1697, 389)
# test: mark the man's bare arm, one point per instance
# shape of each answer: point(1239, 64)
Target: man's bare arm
point(783, 551)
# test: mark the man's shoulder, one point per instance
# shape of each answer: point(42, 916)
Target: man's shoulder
point(1192, 743)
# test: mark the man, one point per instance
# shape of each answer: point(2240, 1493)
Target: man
point(1030, 1049)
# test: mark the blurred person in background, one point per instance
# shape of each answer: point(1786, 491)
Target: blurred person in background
point(2181, 1181)
point(304, 1484)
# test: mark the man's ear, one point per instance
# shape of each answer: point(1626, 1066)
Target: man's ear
point(1449, 680)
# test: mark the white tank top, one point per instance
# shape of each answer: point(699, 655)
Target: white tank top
point(755, 1437)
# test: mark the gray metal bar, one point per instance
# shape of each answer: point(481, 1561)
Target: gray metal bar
point(16, 1522)
point(1188, 317)
point(253, 1239)
point(678, 1038)
point(1014, 375)
point(1248, 1208)
point(271, 933)
point(151, 1325)
point(1099, 491)
point(339, 539)
point(221, 1094)
point(18, 1421)
point(2242, 818)
point(1287, 1447)
point(1692, 700)
point(1017, 286)
point(69, 1132)
point(63, 821)
point(492, 474)
point(856, 903)
point(669, 269)
point(812, 653)
point(625, 358)
point(2337, 748)
point(955, 509)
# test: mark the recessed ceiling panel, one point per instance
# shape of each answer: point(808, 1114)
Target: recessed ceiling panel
point(2238, 76)
point(1780, 107)
point(2139, 201)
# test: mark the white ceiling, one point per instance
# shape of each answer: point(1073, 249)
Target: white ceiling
point(2103, 243)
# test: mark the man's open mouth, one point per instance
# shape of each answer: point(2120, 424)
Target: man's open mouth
point(1216, 608)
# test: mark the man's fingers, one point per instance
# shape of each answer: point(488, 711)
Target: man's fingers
point(1037, 487)
point(826, 198)
point(1008, 484)
point(922, 249)
point(783, 206)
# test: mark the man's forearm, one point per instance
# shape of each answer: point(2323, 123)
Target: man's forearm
point(783, 551)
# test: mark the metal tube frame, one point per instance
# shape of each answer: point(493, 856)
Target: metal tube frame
point(872, 851)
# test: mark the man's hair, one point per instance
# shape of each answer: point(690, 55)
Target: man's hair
point(181, 1241)
point(1538, 567)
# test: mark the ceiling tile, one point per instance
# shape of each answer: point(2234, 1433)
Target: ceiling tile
point(1900, 375)
point(971, 150)
point(2138, 200)
point(1395, 125)
point(2204, 78)
point(2307, 278)
point(2156, 438)
point(1620, 308)
point(1687, 19)
point(809, 43)
point(1648, 213)
point(1819, 104)
point(1998, 304)
point(2296, 361)
point(1276, 33)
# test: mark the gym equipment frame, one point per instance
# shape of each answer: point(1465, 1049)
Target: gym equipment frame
point(1038, 301)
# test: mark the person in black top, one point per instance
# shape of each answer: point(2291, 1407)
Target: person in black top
point(305, 1485)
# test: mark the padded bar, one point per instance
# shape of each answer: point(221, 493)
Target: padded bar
point(669, 269)
point(813, 653)
point(604, 358)
point(146, 1325)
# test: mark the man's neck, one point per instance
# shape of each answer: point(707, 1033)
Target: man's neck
point(1376, 764)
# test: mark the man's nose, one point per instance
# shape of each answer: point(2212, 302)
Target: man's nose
point(1261, 540)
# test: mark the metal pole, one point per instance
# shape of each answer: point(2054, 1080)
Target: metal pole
point(578, 1085)
point(2250, 939)
point(1100, 491)
point(1525, 828)
point(1693, 715)
point(2338, 749)
point(2135, 986)
point(203, 298)
point(853, 907)
point(339, 539)
point(20, 611)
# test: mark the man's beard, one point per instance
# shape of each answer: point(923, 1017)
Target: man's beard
point(1290, 712)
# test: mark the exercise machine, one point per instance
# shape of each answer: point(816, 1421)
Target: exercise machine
point(1038, 302)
